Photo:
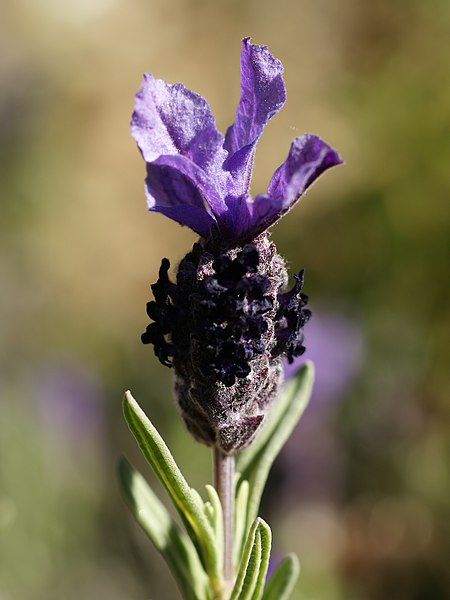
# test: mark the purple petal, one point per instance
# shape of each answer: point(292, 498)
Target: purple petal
point(202, 181)
point(262, 95)
point(308, 157)
point(174, 195)
point(172, 121)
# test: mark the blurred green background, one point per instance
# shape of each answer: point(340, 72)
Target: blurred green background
point(361, 491)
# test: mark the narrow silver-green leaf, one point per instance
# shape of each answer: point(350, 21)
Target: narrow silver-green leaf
point(252, 571)
point(240, 520)
point(282, 581)
point(255, 559)
point(188, 504)
point(251, 549)
point(266, 545)
point(209, 512)
point(175, 546)
point(217, 520)
point(255, 462)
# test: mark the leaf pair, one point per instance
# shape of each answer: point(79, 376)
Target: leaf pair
point(201, 547)
point(196, 557)
point(255, 560)
point(175, 546)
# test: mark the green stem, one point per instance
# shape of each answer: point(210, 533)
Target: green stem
point(224, 484)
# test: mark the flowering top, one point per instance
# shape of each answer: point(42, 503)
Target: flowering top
point(228, 321)
point(199, 177)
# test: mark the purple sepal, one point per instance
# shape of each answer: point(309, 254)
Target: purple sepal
point(237, 436)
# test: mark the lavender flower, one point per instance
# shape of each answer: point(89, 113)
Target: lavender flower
point(228, 321)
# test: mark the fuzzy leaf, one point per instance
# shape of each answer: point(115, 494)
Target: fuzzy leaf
point(187, 502)
point(240, 520)
point(255, 462)
point(266, 546)
point(217, 519)
point(255, 559)
point(175, 546)
point(283, 579)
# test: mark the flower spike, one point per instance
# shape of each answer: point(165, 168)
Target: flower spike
point(228, 322)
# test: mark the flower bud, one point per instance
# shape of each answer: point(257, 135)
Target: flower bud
point(224, 327)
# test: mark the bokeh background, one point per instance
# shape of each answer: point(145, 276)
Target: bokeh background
point(361, 491)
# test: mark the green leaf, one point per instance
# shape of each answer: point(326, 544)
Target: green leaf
point(209, 512)
point(283, 579)
point(240, 520)
point(255, 462)
point(255, 560)
point(266, 546)
point(175, 546)
point(186, 501)
point(217, 520)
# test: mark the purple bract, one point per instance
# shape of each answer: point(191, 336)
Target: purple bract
point(200, 178)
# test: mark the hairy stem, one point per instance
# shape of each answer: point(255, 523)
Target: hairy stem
point(224, 484)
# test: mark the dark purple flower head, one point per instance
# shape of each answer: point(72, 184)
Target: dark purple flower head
point(228, 321)
point(200, 178)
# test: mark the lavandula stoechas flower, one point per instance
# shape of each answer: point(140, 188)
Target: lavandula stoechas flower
point(228, 321)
